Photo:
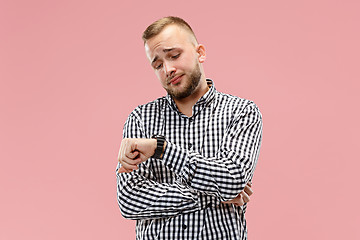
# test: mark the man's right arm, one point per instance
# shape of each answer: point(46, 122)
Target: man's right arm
point(140, 196)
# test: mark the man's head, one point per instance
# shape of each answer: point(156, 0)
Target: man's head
point(175, 56)
point(156, 27)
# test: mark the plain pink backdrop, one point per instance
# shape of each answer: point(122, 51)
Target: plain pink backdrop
point(71, 72)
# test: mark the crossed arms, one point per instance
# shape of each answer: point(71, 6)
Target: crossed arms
point(200, 181)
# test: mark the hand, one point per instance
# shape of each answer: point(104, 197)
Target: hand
point(134, 151)
point(243, 197)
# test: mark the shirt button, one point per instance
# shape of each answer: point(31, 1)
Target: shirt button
point(184, 227)
point(190, 145)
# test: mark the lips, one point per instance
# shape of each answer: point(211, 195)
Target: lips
point(176, 79)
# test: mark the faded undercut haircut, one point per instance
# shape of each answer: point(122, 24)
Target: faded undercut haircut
point(156, 27)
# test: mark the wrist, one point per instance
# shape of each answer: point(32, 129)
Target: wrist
point(153, 145)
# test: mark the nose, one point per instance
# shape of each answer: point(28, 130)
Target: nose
point(169, 69)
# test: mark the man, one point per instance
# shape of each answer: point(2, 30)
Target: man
point(186, 160)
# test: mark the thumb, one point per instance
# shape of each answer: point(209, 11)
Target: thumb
point(134, 146)
point(143, 157)
point(121, 170)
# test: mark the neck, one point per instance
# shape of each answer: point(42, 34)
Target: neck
point(185, 104)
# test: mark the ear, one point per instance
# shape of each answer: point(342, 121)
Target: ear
point(200, 49)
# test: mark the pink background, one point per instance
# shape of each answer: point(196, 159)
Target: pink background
point(71, 72)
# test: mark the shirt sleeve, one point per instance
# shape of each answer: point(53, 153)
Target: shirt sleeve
point(226, 174)
point(140, 196)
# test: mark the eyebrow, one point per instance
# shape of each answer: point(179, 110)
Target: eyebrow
point(168, 49)
point(165, 51)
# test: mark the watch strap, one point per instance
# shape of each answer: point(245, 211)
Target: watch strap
point(160, 141)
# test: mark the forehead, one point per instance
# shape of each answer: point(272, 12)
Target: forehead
point(171, 36)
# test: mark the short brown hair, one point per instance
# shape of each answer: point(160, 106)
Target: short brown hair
point(156, 27)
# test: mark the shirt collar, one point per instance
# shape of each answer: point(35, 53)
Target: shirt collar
point(204, 100)
point(209, 95)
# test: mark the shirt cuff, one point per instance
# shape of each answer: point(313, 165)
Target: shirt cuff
point(208, 201)
point(181, 161)
point(175, 157)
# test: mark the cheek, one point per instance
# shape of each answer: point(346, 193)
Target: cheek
point(161, 77)
point(189, 62)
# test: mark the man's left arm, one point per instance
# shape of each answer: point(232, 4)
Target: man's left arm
point(227, 174)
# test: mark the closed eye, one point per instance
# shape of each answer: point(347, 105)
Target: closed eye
point(176, 56)
point(158, 66)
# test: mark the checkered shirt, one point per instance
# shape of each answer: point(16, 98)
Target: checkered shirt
point(209, 158)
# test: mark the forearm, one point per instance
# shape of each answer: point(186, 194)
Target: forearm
point(232, 166)
point(140, 197)
point(224, 175)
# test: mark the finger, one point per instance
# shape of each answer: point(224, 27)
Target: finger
point(249, 183)
point(128, 166)
point(128, 170)
point(245, 197)
point(143, 157)
point(129, 153)
point(130, 163)
point(120, 151)
point(132, 160)
point(129, 149)
point(248, 190)
point(239, 201)
point(132, 155)
point(121, 170)
point(235, 200)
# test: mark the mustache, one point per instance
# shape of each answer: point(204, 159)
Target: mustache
point(169, 79)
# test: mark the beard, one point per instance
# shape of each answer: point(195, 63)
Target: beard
point(194, 79)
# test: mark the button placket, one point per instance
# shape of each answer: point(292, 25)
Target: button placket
point(190, 145)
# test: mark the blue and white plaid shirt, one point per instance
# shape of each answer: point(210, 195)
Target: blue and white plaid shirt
point(209, 158)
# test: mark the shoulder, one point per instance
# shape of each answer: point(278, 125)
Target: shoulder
point(149, 108)
point(236, 104)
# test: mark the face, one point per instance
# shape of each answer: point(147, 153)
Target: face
point(175, 57)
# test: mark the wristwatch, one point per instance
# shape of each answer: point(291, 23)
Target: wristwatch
point(159, 146)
